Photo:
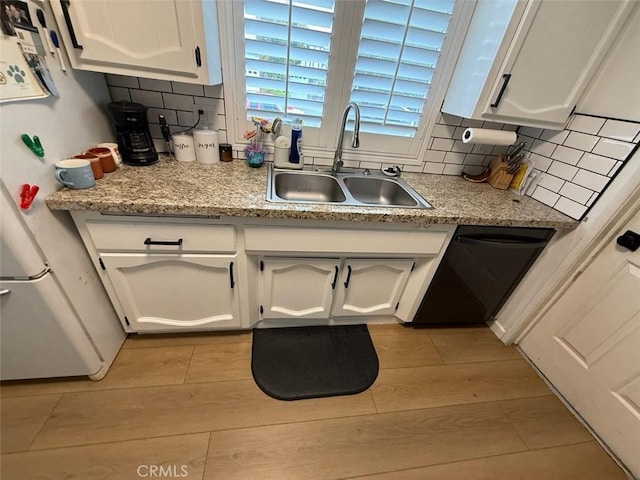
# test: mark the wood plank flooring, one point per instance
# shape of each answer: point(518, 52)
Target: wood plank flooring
point(447, 404)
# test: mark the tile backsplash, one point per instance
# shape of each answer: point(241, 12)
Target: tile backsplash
point(575, 164)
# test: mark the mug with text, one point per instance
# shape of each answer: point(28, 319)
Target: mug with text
point(75, 173)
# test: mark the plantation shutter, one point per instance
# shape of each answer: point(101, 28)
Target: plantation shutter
point(400, 44)
point(287, 46)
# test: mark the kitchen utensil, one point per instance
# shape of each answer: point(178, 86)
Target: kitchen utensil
point(56, 43)
point(43, 24)
point(135, 144)
point(515, 151)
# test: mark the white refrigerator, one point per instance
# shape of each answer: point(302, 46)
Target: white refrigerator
point(55, 317)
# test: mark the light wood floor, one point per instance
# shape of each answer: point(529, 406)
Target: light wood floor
point(448, 404)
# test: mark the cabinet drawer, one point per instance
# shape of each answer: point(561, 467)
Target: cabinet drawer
point(162, 237)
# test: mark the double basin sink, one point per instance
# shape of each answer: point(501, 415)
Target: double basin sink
point(352, 187)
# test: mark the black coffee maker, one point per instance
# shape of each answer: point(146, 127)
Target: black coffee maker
point(132, 131)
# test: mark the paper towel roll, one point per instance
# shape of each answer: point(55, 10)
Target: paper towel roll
point(207, 146)
point(489, 137)
point(183, 147)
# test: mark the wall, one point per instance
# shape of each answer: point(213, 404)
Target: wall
point(576, 163)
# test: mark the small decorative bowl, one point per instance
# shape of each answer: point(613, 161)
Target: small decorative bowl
point(255, 159)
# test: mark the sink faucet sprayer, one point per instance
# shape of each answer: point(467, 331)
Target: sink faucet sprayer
point(355, 142)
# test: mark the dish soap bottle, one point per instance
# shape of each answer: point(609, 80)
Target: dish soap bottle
point(295, 155)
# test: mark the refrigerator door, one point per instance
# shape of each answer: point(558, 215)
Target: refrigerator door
point(40, 335)
point(19, 255)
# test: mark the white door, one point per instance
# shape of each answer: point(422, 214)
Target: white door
point(588, 345)
point(163, 292)
point(297, 287)
point(143, 34)
point(547, 68)
point(371, 286)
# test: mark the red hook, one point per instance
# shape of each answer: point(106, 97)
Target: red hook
point(27, 194)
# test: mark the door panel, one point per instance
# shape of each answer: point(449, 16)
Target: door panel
point(371, 286)
point(164, 292)
point(155, 35)
point(297, 287)
point(588, 345)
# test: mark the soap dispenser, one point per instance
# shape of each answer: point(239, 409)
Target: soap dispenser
point(295, 155)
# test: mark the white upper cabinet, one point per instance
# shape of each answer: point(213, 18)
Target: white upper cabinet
point(528, 62)
point(154, 39)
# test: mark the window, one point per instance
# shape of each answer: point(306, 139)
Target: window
point(308, 58)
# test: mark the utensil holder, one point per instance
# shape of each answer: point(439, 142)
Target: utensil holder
point(499, 178)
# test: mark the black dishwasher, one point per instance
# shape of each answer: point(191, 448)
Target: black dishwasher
point(478, 272)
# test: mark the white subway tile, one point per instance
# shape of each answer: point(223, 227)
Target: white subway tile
point(323, 162)
point(121, 81)
point(542, 148)
point(551, 183)
point(458, 133)
point(500, 149)
point(155, 85)
point(473, 169)
point(531, 131)
point(450, 169)
point(567, 155)
point(185, 119)
point(571, 208)
point(448, 119)
point(540, 162)
point(370, 165)
point(188, 88)
point(178, 102)
point(575, 192)
point(613, 148)
point(591, 180)
point(562, 170)
point(482, 149)
point(153, 115)
point(434, 156)
point(213, 91)
point(614, 169)
point(413, 168)
point(581, 141)
point(625, 131)
point(637, 139)
point(444, 144)
point(585, 124)
point(119, 93)
point(473, 159)
point(460, 146)
point(443, 131)
point(147, 98)
point(467, 122)
point(436, 168)
point(594, 195)
point(492, 125)
point(545, 196)
point(510, 128)
point(596, 163)
point(554, 136)
point(454, 157)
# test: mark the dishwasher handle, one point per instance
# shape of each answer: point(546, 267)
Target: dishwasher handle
point(502, 241)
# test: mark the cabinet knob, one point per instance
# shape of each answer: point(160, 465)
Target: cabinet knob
point(629, 240)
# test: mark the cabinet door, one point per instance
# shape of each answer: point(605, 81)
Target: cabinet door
point(297, 287)
point(556, 49)
point(371, 286)
point(141, 34)
point(175, 292)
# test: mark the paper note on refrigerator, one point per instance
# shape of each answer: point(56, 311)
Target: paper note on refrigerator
point(17, 79)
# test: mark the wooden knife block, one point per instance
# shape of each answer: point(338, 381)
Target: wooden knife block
point(499, 178)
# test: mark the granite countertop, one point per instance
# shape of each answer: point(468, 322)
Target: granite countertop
point(234, 189)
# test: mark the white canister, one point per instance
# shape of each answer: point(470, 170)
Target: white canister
point(114, 151)
point(183, 147)
point(207, 146)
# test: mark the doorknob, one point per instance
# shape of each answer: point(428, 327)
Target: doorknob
point(630, 240)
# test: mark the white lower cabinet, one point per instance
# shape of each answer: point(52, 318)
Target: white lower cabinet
point(297, 287)
point(371, 286)
point(164, 292)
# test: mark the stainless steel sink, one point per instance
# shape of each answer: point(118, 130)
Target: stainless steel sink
point(308, 188)
point(379, 191)
point(349, 187)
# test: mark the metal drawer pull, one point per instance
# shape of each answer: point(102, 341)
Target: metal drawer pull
point(148, 241)
point(506, 77)
point(335, 279)
point(231, 281)
point(5, 291)
point(346, 283)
